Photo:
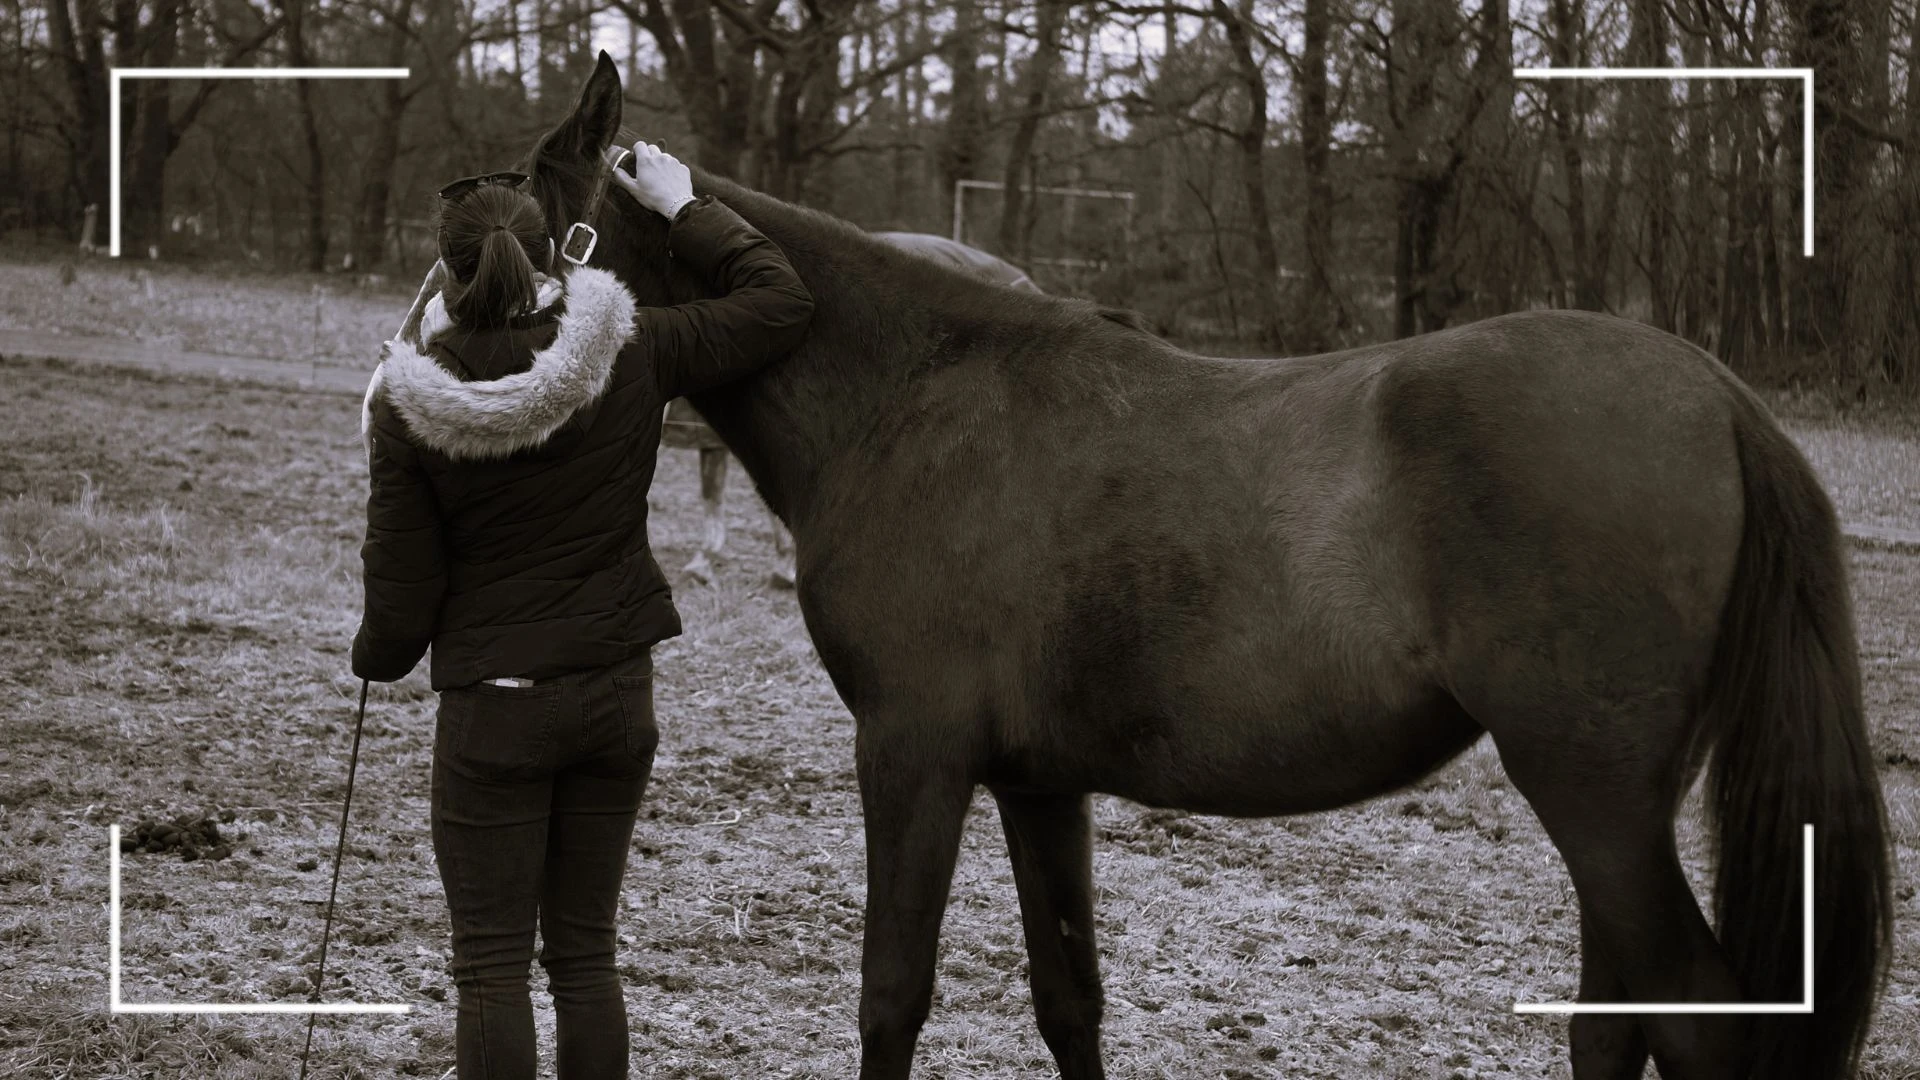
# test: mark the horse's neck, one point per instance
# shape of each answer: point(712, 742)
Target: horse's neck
point(789, 422)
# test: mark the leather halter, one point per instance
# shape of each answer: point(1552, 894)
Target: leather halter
point(581, 237)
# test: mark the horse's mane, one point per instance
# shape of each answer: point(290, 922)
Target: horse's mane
point(870, 275)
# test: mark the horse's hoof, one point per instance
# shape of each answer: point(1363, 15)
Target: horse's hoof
point(699, 569)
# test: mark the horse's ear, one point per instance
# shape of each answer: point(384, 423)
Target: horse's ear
point(595, 119)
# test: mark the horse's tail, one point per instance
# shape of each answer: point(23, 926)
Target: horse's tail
point(1785, 714)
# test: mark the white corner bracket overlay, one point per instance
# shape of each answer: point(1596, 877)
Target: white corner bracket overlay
point(1803, 1007)
point(114, 1004)
point(1805, 75)
point(115, 75)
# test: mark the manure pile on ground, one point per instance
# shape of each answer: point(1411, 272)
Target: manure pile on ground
point(189, 836)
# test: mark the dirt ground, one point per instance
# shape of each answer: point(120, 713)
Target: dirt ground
point(180, 587)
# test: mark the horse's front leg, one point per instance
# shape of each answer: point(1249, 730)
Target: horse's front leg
point(1050, 838)
point(914, 806)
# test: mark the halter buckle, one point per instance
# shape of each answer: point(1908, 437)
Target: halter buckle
point(581, 237)
point(578, 246)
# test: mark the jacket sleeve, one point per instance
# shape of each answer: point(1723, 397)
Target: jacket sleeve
point(403, 561)
point(762, 317)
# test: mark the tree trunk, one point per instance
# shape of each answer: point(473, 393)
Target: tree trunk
point(1901, 363)
point(1317, 312)
point(1697, 274)
point(1827, 43)
point(82, 57)
point(316, 181)
point(960, 144)
point(31, 194)
point(1219, 259)
point(1647, 47)
point(1168, 156)
point(1740, 280)
point(376, 191)
point(1566, 103)
point(1015, 237)
point(1604, 232)
point(1252, 144)
point(716, 78)
point(1772, 278)
point(514, 31)
point(1406, 308)
point(808, 87)
point(906, 115)
point(143, 196)
point(1425, 157)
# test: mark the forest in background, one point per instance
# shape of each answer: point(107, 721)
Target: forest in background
point(1301, 174)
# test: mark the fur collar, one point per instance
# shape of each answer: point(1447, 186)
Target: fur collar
point(493, 419)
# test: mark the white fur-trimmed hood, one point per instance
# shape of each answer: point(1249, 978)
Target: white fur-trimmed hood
point(492, 419)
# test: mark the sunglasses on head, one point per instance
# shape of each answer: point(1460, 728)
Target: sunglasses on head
point(465, 184)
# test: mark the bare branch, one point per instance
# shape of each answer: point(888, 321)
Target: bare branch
point(754, 26)
point(1863, 127)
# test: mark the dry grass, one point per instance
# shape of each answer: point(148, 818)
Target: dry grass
point(1872, 473)
point(232, 311)
point(173, 648)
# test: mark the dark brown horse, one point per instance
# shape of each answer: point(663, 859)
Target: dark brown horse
point(1046, 553)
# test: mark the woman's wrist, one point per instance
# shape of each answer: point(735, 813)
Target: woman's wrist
point(672, 209)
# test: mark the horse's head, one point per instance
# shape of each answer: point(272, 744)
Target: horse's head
point(567, 165)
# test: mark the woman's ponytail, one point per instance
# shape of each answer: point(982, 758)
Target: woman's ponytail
point(491, 238)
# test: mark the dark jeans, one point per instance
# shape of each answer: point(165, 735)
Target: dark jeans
point(535, 790)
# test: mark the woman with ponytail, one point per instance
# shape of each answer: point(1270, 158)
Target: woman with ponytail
point(511, 443)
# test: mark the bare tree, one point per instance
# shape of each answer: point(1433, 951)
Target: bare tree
point(151, 129)
point(711, 63)
point(376, 183)
point(81, 48)
point(1251, 142)
point(1827, 38)
point(1647, 47)
point(962, 143)
point(1418, 162)
point(299, 54)
point(1016, 224)
point(1317, 311)
point(1432, 116)
point(1567, 107)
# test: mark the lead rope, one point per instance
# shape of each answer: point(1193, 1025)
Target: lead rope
point(339, 849)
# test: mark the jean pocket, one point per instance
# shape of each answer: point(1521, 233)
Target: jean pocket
point(497, 732)
point(636, 714)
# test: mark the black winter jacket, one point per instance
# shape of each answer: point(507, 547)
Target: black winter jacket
point(507, 517)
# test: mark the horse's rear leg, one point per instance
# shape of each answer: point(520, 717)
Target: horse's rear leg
point(1604, 1047)
point(1614, 828)
point(713, 484)
point(914, 815)
point(1050, 838)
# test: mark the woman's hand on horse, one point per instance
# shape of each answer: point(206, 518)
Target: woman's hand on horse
point(659, 181)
